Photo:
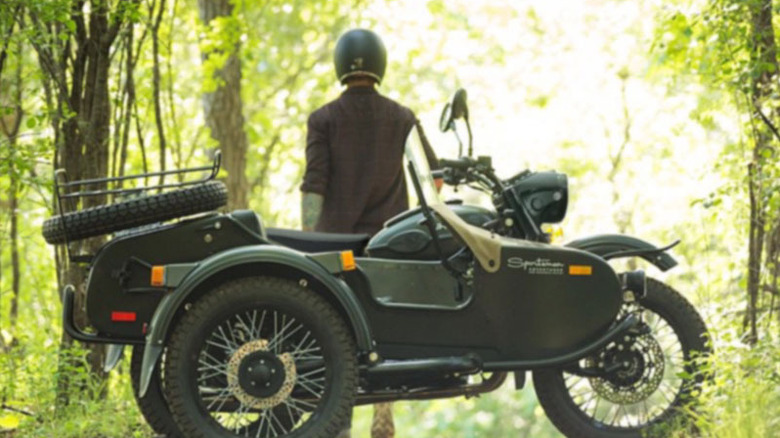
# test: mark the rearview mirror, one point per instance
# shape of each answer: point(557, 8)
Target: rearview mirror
point(456, 108)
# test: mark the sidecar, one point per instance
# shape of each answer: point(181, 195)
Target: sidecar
point(244, 330)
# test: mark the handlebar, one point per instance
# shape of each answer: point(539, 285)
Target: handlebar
point(467, 169)
point(462, 163)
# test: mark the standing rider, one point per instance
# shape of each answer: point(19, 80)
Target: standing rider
point(354, 179)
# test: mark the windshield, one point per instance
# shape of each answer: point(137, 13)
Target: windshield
point(415, 154)
point(484, 244)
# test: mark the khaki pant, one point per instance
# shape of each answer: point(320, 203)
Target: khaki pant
point(381, 425)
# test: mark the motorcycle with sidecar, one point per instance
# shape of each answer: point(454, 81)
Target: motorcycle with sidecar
point(238, 329)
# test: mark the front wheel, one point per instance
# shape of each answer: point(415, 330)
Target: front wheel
point(640, 382)
point(261, 357)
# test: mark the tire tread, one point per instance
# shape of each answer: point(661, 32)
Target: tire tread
point(199, 311)
point(144, 210)
point(553, 401)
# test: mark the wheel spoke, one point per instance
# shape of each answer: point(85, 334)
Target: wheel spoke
point(260, 325)
point(292, 403)
point(278, 422)
point(219, 345)
point(263, 418)
point(307, 385)
point(245, 327)
point(276, 342)
point(231, 343)
point(222, 397)
point(640, 392)
point(253, 332)
point(304, 403)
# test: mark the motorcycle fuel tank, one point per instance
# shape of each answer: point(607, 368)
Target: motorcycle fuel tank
point(406, 236)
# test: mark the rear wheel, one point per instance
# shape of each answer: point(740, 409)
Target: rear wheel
point(261, 357)
point(649, 376)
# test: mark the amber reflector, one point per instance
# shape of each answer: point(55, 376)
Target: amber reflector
point(347, 260)
point(580, 270)
point(158, 275)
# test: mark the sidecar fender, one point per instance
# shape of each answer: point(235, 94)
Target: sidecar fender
point(611, 246)
point(250, 260)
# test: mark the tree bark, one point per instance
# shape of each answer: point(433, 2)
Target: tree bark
point(763, 54)
point(10, 128)
point(78, 67)
point(223, 110)
point(15, 272)
point(156, 85)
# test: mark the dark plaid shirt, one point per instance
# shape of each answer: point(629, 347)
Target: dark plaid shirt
point(354, 158)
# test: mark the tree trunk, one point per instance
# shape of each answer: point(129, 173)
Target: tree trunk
point(764, 58)
point(223, 111)
point(77, 68)
point(10, 128)
point(15, 273)
point(156, 84)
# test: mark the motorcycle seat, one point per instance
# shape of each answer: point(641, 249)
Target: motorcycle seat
point(312, 241)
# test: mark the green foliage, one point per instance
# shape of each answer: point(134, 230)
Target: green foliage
point(106, 410)
point(743, 397)
point(701, 53)
point(503, 413)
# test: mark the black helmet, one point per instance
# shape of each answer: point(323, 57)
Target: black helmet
point(360, 52)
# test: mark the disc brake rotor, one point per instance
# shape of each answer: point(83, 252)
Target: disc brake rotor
point(233, 373)
point(637, 381)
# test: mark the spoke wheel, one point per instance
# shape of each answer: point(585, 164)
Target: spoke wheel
point(261, 357)
point(642, 387)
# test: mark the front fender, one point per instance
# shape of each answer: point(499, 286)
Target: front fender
point(249, 255)
point(611, 246)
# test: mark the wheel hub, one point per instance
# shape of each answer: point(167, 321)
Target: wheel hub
point(631, 368)
point(259, 378)
point(640, 369)
point(261, 374)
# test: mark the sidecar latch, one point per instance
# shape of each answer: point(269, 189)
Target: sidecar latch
point(634, 285)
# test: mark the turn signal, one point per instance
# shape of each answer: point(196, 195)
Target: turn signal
point(347, 261)
point(580, 270)
point(158, 276)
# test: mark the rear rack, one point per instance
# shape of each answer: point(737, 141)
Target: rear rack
point(85, 188)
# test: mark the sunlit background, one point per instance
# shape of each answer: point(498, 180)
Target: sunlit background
point(565, 85)
point(574, 86)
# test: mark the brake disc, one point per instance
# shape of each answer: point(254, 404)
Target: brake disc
point(275, 399)
point(637, 381)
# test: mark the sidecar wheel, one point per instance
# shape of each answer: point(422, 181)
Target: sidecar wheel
point(261, 357)
point(152, 405)
point(642, 399)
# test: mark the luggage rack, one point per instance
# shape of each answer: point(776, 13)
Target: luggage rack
point(63, 190)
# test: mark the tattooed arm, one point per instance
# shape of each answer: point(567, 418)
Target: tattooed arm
point(317, 175)
point(311, 208)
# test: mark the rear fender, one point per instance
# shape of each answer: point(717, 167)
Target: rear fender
point(611, 246)
point(255, 259)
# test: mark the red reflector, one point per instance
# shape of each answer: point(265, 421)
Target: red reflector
point(123, 316)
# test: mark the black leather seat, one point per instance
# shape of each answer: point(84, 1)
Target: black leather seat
point(310, 241)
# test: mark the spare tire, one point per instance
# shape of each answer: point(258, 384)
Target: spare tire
point(135, 212)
